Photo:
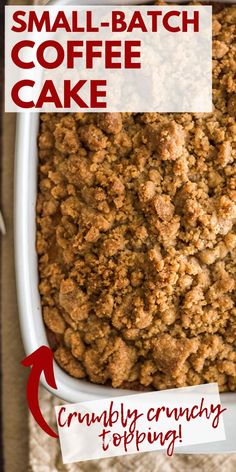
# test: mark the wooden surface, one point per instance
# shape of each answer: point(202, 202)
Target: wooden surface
point(14, 415)
point(1, 104)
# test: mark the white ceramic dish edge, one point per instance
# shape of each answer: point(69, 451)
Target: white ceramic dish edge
point(32, 327)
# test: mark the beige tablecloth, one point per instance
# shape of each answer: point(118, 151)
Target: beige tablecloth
point(45, 455)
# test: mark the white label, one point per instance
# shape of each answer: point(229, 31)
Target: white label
point(163, 420)
point(106, 58)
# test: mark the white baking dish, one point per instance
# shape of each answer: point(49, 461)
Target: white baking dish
point(32, 327)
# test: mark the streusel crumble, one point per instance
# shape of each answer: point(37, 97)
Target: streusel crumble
point(136, 239)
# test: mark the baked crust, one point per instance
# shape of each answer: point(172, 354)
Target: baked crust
point(136, 239)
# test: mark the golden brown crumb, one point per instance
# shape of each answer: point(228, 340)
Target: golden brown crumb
point(136, 239)
point(68, 362)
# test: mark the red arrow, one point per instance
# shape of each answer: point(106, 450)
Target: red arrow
point(41, 360)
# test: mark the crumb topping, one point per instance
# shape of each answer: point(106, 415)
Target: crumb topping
point(136, 238)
